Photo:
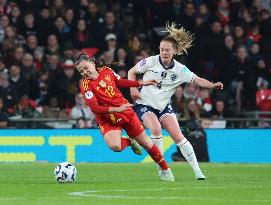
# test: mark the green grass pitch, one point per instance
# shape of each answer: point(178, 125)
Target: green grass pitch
point(127, 184)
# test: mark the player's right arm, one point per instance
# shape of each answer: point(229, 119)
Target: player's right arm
point(135, 94)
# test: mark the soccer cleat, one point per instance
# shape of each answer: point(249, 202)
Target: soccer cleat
point(166, 175)
point(199, 175)
point(136, 147)
point(159, 171)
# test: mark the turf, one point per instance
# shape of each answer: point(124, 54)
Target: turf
point(105, 183)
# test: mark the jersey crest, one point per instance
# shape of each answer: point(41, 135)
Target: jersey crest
point(102, 84)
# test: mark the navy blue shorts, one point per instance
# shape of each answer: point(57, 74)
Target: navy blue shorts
point(142, 110)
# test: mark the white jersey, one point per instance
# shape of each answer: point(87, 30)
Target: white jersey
point(168, 80)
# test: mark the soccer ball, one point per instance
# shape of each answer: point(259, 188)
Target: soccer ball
point(65, 172)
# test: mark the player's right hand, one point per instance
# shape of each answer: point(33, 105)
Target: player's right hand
point(124, 107)
point(135, 94)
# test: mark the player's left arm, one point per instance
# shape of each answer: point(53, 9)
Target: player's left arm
point(207, 84)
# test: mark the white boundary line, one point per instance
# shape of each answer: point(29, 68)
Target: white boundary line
point(93, 193)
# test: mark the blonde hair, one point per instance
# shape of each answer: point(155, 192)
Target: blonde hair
point(180, 38)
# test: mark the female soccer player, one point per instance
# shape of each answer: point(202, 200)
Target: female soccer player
point(153, 104)
point(113, 112)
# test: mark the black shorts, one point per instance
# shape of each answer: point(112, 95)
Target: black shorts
point(142, 110)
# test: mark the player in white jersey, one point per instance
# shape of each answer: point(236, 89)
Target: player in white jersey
point(153, 102)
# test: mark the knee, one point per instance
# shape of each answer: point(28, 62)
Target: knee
point(156, 130)
point(115, 148)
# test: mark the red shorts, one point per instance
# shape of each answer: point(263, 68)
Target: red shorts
point(126, 120)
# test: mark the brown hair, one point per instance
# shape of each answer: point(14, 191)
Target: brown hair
point(180, 38)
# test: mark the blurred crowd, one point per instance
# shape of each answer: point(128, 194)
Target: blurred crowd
point(40, 39)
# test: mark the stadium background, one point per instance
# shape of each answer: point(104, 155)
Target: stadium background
point(39, 87)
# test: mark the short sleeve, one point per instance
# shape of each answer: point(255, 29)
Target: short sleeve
point(187, 75)
point(143, 65)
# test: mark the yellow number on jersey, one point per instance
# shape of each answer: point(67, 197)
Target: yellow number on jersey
point(110, 91)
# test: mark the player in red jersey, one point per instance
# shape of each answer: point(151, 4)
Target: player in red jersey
point(112, 110)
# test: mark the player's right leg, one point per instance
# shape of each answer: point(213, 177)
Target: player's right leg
point(156, 155)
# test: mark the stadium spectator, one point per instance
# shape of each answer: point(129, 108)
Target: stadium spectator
point(57, 8)
point(28, 26)
point(12, 39)
point(113, 112)
point(135, 44)
point(65, 84)
point(29, 71)
point(16, 16)
point(18, 81)
point(70, 20)
point(153, 103)
point(53, 47)
point(59, 30)
point(53, 110)
point(82, 37)
point(94, 19)
point(8, 93)
point(111, 26)
point(44, 25)
point(82, 110)
point(31, 44)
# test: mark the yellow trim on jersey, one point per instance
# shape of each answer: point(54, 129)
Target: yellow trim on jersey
point(113, 119)
point(85, 84)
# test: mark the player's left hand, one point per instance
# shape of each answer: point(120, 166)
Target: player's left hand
point(218, 86)
point(148, 82)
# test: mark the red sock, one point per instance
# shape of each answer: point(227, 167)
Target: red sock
point(125, 142)
point(157, 156)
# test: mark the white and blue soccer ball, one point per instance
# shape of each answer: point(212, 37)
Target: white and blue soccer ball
point(65, 172)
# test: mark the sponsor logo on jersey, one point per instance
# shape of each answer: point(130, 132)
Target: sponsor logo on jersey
point(142, 62)
point(89, 95)
point(102, 84)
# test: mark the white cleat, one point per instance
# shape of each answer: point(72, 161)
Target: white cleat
point(136, 147)
point(199, 175)
point(159, 170)
point(166, 175)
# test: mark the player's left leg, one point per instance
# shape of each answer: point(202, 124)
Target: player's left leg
point(170, 123)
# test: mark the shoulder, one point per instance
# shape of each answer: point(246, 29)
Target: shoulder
point(180, 67)
point(148, 61)
point(109, 71)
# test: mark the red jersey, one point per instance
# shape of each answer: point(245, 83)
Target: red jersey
point(103, 92)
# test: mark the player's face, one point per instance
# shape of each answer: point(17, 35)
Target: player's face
point(87, 70)
point(166, 52)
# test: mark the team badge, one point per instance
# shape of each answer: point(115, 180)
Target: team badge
point(102, 84)
point(142, 62)
point(89, 95)
point(173, 77)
